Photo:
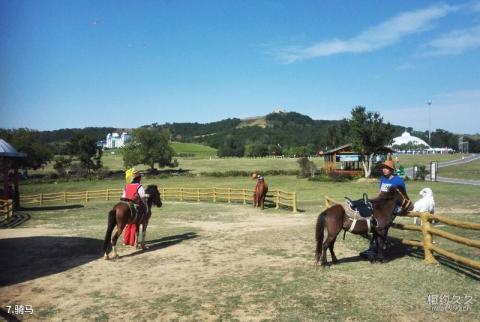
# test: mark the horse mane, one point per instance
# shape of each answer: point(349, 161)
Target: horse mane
point(385, 196)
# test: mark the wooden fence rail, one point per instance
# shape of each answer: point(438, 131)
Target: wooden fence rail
point(427, 232)
point(229, 195)
point(6, 208)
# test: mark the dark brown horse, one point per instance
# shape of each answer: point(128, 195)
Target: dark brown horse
point(121, 214)
point(260, 193)
point(335, 219)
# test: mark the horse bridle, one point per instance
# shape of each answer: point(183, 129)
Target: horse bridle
point(406, 202)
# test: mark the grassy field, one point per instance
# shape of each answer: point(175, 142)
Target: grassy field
point(408, 160)
point(197, 150)
point(470, 170)
point(204, 160)
point(217, 262)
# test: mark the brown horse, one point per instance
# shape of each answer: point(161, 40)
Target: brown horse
point(260, 193)
point(335, 219)
point(121, 214)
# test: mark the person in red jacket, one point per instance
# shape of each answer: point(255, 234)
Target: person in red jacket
point(133, 192)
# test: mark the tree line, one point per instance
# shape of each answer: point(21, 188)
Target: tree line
point(289, 134)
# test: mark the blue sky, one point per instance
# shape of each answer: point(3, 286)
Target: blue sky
point(128, 63)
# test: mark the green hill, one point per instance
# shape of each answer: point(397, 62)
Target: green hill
point(193, 149)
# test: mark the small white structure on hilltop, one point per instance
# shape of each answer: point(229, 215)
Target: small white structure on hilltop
point(408, 139)
point(115, 140)
point(279, 110)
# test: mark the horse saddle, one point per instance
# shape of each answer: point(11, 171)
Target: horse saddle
point(137, 211)
point(362, 206)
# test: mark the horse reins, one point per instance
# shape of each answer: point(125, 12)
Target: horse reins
point(406, 202)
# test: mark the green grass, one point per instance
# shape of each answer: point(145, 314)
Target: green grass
point(198, 150)
point(470, 170)
point(310, 194)
point(409, 160)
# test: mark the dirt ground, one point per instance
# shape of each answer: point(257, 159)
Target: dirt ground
point(194, 274)
point(180, 265)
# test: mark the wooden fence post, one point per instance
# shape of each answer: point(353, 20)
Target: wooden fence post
point(198, 194)
point(427, 239)
point(65, 197)
point(294, 202)
point(244, 196)
point(41, 199)
point(163, 193)
point(229, 196)
point(10, 209)
point(86, 196)
point(181, 194)
point(277, 199)
point(108, 194)
point(214, 194)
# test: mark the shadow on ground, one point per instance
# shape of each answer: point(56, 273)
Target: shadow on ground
point(27, 258)
point(164, 242)
point(7, 316)
point(15, 221)
point(395, 249)
point(51, 208)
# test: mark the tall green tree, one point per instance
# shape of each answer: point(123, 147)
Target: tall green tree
point(369, 134)
point(232, 147)
point(149, 146)
point(85, 149)
point(27, 141)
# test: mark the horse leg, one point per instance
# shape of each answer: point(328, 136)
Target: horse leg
point(373, 247)
point(254, 200)
point(330, 247)
point(144, 233)
point(381, 238)
point(118, 232)
point(327, 244)
point(137, 236)
point(262, 202)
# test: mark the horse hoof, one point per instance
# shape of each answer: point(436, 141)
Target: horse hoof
point(105, 257)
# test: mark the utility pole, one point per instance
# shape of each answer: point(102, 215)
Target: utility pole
point(429, 122)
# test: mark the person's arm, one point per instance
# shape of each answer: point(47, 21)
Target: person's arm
point(141, 192)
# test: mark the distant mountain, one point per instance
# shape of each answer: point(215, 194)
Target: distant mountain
point(280, 129)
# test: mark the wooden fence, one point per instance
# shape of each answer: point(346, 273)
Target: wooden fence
point(6, 208)
point(427, 231)
point(229, 195)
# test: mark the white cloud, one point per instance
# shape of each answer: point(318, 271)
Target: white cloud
point(454, 42)
point(380, 36)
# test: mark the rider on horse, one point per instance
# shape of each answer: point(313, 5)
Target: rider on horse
point(257, 176)
point(134, 193)
point(388, 181)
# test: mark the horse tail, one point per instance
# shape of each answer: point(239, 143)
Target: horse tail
point(111, 225)
point(319, 235)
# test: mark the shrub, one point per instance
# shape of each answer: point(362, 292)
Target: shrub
point(340, 177)
point(421, 173)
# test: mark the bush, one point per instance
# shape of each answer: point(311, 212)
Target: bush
point(307, 167)
point(320, 178)
point(421, 173)
point(340, 177)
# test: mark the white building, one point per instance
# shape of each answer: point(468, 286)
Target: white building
point(414, 145)
point(115, 140)
point(407, 138)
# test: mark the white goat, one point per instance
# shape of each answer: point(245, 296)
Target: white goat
point(425, 204)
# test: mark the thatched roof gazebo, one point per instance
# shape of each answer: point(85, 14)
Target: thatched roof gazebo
point(10, 160)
